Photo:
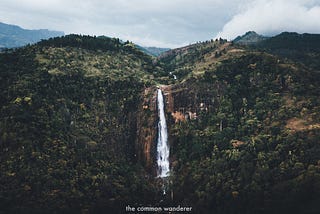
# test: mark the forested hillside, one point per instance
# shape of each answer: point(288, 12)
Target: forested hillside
point(68, 125)
point(252, 145)
point(243, 121)
point(249, 143)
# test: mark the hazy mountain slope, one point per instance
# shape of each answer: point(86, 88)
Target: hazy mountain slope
point(155, 51)
point(15, 36)
point(249, 38)
point(152, 51)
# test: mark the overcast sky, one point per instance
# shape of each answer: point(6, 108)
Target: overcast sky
point(164, 23)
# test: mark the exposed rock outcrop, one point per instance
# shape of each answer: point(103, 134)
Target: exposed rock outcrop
point(147, 129)
point(183, 102)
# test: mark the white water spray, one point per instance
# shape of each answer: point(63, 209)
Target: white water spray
point(162, 144)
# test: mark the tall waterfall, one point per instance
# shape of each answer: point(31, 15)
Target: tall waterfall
point(162, 144)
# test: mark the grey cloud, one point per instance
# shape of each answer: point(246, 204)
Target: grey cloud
point(149, 22)
point(165, 23)
point(273, 17)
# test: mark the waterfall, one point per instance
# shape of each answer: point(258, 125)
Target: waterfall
point(162, 143)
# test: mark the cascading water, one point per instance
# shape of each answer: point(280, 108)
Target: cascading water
point(162, 144)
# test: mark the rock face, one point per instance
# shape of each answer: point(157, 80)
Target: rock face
point(183, 102)
point(187, 100)
point(178, 108)
point(176, 100)
point(147, 129)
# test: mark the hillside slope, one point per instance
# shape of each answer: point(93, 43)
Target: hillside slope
point(244, 129)
point(68, 125)
point(302, 48)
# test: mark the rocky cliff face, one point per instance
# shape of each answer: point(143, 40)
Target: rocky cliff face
point(183, 102)
point(147, 129)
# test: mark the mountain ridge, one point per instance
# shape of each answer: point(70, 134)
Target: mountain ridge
point(12, 36)
point(249, 38)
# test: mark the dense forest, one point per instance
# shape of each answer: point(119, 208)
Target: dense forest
point(254, 147)
point(68, 126)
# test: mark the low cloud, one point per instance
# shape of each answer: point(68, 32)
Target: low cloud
point(270, 17)
point(164, 23)
point(169, 23)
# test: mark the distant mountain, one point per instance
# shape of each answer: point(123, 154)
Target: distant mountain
point(156, 51)
point(249, 38)
point(153, 51)
point(14, 36)
point(302, 48)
